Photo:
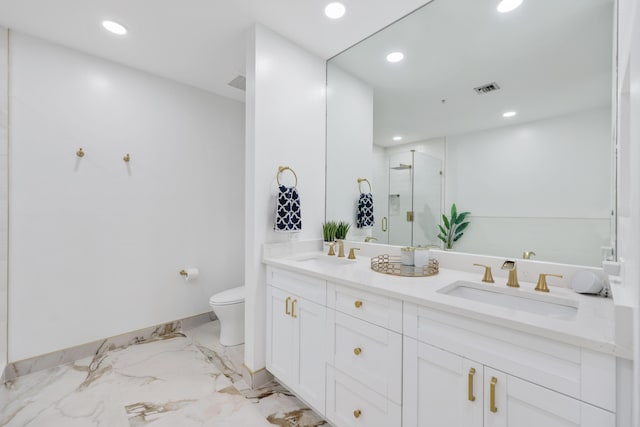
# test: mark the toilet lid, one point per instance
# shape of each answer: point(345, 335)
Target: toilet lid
point(230, 296)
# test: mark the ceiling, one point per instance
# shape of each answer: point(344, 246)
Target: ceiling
point(549, 57)
point(196, 42)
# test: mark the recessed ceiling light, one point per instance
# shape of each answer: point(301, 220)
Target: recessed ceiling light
point(335, 10)
point(114, 27)
point(397, 138)
point(508, 5)
point(509, 114)
point(395, 57)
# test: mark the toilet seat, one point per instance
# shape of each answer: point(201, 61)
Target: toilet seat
point(230, 296)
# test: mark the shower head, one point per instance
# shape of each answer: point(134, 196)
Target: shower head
point(401, 166)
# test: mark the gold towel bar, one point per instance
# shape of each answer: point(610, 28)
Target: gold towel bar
point(286, 168)
point(360, 181)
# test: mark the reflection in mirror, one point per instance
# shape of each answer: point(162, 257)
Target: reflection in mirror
point(539, 180)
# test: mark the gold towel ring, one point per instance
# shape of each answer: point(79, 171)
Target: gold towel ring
point(285, 168)
point(360, 181)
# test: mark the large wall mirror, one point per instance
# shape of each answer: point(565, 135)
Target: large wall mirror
point(507, 115)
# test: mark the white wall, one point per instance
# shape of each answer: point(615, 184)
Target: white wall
point(285, 126)
point(515, 181)
point(4, 186)
point(350, 144)
point(96, 244)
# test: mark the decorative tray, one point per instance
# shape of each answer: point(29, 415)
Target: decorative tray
point(388, 264)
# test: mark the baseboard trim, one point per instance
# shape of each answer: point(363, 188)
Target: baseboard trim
point(17, 369)
point(256, 379)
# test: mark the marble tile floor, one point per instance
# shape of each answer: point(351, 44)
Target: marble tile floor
point(181, 379)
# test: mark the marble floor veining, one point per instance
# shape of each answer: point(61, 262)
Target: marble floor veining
point(181, 379)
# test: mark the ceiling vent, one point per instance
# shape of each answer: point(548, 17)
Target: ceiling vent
point(240, 82)
point(489, 87)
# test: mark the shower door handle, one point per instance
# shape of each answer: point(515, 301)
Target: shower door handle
point(384, 223)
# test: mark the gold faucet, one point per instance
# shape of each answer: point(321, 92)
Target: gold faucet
point(542, 282)
point(488, 277)
point(352, 254)
point(340, 248)
point(527, 254)
point(370, 239)
point(331, 251)
point(510, 266)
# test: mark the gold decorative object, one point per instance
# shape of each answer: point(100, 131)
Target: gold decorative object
point(80, 153)
point(492, 390)
point(542, 282)
point(286, 168)
point(510, 266)
point(389, 264)
point(471, 397)
point(488, 277)
point(126, 157)
point(332, 252)
point(360, 181)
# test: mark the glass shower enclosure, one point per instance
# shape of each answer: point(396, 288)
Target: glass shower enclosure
point(410, 212)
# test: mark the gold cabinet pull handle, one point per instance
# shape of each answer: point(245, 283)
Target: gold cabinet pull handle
point(472, 372)
point(286, 309)
point(358, 304)
point(492, 403)
point(384, 223)
point(357, 413)
point(293, 308)
point(357, 351)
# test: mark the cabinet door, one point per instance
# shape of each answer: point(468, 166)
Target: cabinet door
point(280, 325)
point(310, 344)
point(519, 403)
point(440, 388)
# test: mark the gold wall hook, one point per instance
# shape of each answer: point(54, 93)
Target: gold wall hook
point(126, 157)
point(80, 153)
point(183, 273)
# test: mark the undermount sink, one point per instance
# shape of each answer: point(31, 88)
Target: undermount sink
point(325, 261)
point(544, 305)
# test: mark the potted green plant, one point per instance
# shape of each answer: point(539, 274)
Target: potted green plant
point(342, 229)
point(452, 228)
point(329, 229)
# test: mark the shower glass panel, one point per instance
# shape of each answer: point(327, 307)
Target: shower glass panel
point(427, 196)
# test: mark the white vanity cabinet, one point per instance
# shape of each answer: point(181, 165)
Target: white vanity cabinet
point(364, 372)
point(361, 358)
point(444, 389)
point(296, 334)
point(462, 372)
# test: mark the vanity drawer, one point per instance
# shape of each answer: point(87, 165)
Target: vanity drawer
point(379, 310)
point(372, 355)
point(350, 404)
point(310, 288)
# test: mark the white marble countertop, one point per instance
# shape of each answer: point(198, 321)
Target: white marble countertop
point(592, 327)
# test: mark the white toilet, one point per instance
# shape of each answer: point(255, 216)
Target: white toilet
point(229, 308)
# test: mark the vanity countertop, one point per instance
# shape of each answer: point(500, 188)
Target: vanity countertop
point(592, 327)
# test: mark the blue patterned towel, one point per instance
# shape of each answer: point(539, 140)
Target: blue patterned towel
point(364, 218)
point(288, 216)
